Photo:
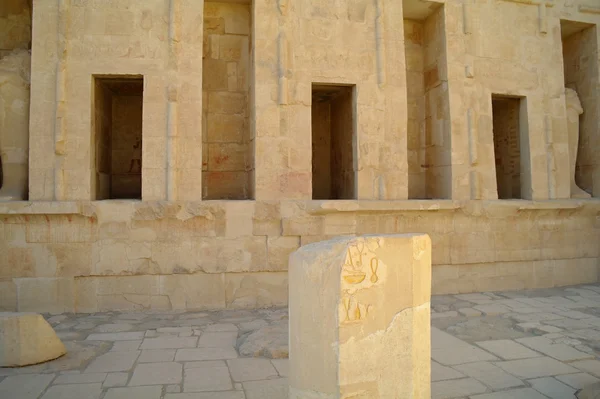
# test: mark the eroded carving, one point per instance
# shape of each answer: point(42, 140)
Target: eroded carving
point(574, 110)
point(361, 262)
point(14, 124)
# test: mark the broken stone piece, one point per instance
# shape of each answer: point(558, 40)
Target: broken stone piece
point(360, 315)
point(270, 341)
point(27, 338)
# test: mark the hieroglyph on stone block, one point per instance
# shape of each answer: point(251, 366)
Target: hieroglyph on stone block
point(359, 318)
point(362, 270)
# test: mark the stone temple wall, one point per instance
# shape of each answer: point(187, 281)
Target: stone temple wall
point(94, 256)
point(226, 149)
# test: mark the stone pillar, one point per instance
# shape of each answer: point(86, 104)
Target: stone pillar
point(359, 318)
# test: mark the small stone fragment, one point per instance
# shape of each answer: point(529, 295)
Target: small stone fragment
point(270, 342)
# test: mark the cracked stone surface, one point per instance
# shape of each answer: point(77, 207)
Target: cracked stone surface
point(519, 344)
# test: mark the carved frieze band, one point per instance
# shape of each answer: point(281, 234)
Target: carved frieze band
point(550, 160)
point(473, 139)
point(282, 56)
point(473, 154)
point(173, 33)
point(379, 43)
point(61, 51)
point(63, 28)
point(171, 133)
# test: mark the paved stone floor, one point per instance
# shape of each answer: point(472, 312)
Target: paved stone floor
point(503, 345)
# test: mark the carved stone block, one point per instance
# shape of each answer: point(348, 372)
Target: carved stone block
point(359, 318)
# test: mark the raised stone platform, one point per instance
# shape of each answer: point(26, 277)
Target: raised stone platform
point(27, 338)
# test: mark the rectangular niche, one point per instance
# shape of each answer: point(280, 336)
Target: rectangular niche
point(428, 138)
point(510, 131)
point(228, 162)
point(117, 130)
point(580, 57)
point(333, 124)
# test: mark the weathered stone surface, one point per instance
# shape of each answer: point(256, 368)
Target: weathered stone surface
point(27, 338)
point(371, 296)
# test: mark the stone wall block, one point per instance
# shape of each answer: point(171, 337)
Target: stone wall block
point(8, 295)
point(279, 250)
point(256, 290)
point(300, 226)
point(45, 295)
point(267, 218)
point(195, 291)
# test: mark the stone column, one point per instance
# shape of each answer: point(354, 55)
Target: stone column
point(359, 318)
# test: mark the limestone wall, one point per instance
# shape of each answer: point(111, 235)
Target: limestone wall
point(513, 48)
point(226, 113)
point(92, 256)
point(297, 44)
point(159, 40)
point(258, 62)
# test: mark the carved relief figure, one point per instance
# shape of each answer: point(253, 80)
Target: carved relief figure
point(14, 124)
point(137, 156)
point(574, 109)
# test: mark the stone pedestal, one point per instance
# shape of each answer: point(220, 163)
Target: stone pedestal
point(27, 338)
point(360, 318)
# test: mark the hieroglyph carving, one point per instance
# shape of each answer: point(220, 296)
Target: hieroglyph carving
point(14, 124)
point(574, 109)
point(361, 270)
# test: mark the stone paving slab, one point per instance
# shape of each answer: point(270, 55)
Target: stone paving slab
point(552, 388)
point(504, 345)
point(157, 374)
point(490, 375)
point(154, 392)
point(507, 349)
point(216, 378)
point(578, 380)
point(77, 391)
